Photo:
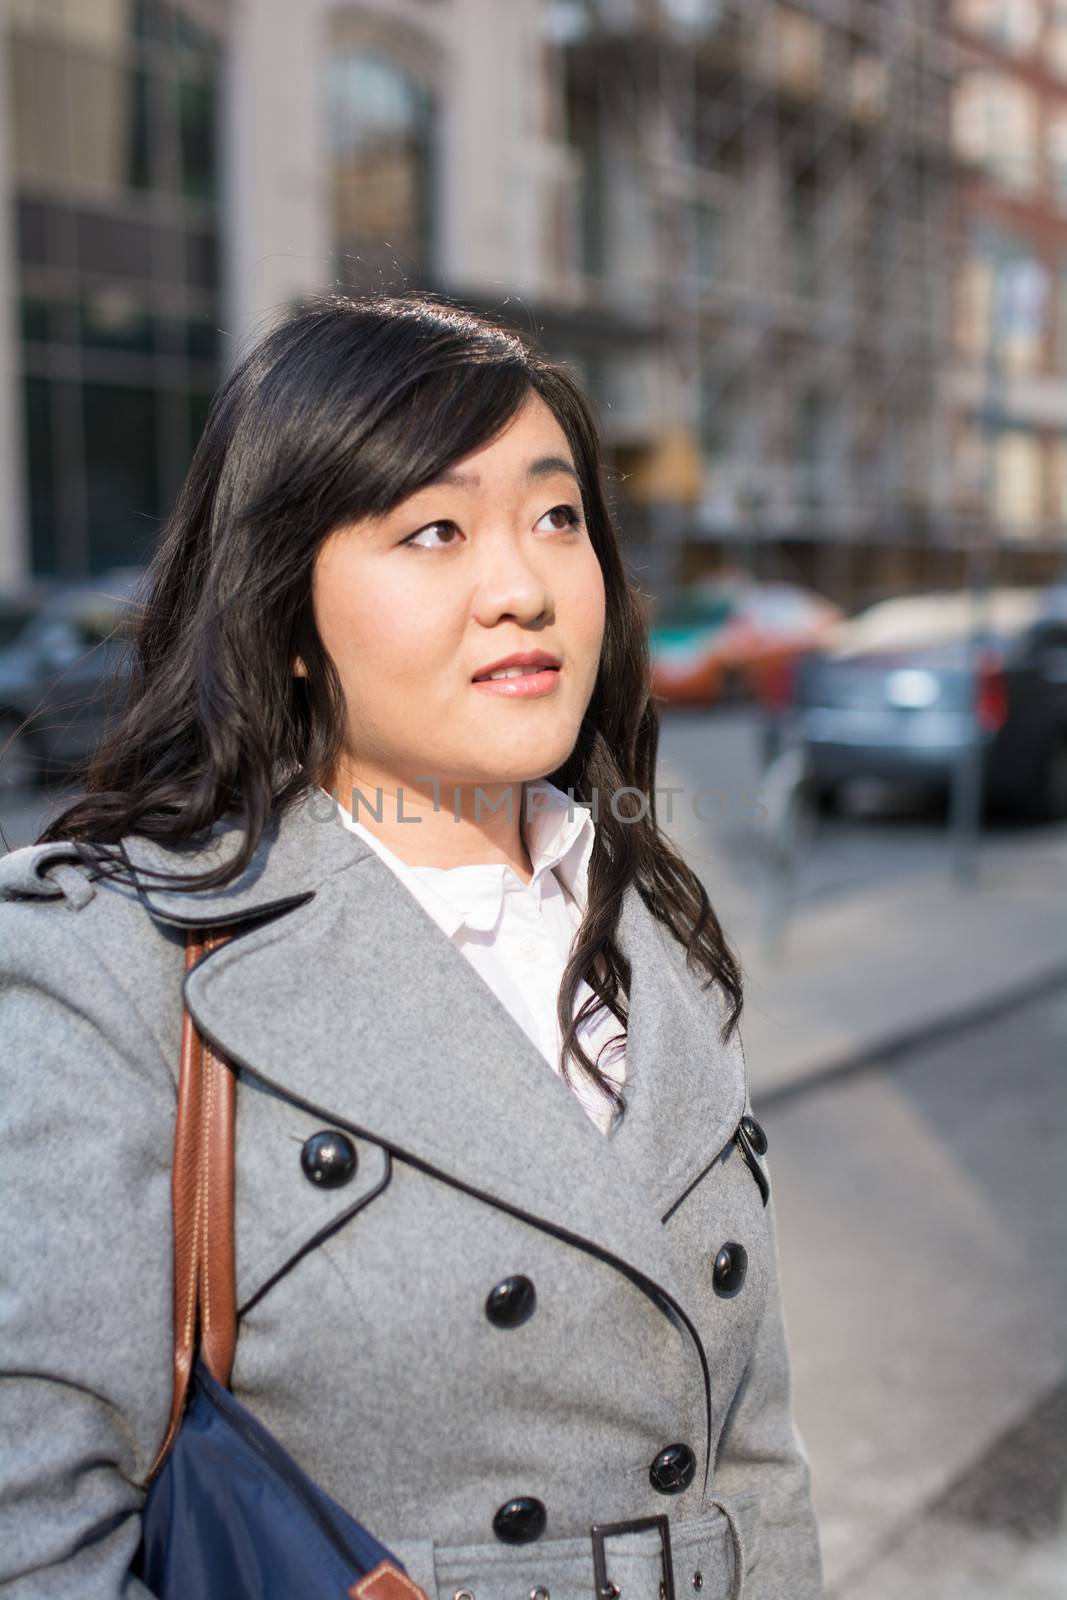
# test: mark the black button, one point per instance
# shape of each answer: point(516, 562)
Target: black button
point(511, 1302)
point(731, 1264)
point(756, 1136)
point(328, 1159)
point(520, 1521)
point(673, 1469)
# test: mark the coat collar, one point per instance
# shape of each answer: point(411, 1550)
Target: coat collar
point(315, 887)
point(369, 938)
point(299, 851)
point(378, 1023)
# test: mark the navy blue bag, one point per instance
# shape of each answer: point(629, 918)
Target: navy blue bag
point(231, 1514)
point(228, 1513)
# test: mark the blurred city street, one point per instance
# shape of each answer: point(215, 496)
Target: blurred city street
point(905, 1052)
point(809, 265)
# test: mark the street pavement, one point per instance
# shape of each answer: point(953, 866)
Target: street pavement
point(922, 1215)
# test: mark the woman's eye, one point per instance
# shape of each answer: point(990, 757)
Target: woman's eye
point(429, 528)
point(570, 515)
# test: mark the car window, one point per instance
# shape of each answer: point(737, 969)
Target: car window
point(937, 619)
point(13, 624)
point(79, 621)
point(1048, 653)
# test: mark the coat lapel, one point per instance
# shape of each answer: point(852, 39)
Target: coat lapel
point(685, 1090)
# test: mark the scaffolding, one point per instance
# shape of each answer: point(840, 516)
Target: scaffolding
point(792, 167)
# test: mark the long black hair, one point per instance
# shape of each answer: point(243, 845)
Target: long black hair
point(343, 411)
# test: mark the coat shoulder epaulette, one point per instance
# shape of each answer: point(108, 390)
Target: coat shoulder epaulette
point(52, 871)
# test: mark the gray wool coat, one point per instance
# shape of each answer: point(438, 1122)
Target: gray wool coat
point(364, 1342)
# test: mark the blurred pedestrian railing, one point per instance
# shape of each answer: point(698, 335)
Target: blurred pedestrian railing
point(788, 833)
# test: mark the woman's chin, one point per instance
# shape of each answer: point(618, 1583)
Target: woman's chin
point(532, 760)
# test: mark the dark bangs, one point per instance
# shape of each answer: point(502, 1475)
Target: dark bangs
point(369, 406)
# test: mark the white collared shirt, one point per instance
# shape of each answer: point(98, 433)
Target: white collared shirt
point(518, 936)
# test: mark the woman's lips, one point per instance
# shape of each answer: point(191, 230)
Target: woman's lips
point(531, 685)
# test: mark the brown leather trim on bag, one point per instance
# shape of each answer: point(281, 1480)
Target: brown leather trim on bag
point(202, 1182)
point(385, 1582)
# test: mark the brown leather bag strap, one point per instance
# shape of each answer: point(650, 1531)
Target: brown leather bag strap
point(202, 1183)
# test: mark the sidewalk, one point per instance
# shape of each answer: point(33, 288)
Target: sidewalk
point(876, 970)
point(926, 1343)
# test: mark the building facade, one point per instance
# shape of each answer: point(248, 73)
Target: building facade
point(1009, 384)
point(110, 273)
point(757, 231)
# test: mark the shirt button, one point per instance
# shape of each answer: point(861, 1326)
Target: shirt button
point(529, 947)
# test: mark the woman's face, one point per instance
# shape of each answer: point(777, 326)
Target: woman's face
point(413, 606)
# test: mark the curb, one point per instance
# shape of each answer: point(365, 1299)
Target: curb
point(881, 1053)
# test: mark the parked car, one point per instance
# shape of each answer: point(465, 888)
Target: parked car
point(891, 696)
point(18, 607)
point(729, 639)
point(58, 677)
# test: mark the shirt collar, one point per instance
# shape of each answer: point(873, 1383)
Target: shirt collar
point(559, 836)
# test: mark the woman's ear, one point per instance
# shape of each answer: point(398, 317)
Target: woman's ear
point(299, 669)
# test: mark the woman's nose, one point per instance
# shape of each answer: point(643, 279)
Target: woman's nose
point(510, 584)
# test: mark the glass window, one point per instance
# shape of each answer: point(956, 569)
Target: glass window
point(1057, 37)
point(202, 338)
point(713, 238)
point(1057, 480)
point(584, 138)
point(41, 475)
point(720, 402)
point(34, 320)
point(122, 473)
point(196, 131)
point(76, 117)
point(1020, 309)
point(38, 109)
point(813, 421)
point(115, 98)
point(199, 404)
point(1002, 295)
point(202, 260)
point(113, 318)
point(1015, 24)
point(107, 114)
point(117, 246)
point(995, 123)
point(793, 50)
point(154, 19)
point(1017, 485)
point(380, 128)
point(1060, 317)
point(800, 204)
point(31, 224)
point(1056, 149)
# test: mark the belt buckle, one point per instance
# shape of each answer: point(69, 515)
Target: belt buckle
point(604, 1588)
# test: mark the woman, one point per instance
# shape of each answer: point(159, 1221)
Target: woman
point(487, 1305)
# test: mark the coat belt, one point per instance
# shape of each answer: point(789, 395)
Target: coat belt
point(710, 1556)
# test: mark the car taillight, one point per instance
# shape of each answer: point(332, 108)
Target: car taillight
point(991, 700)
point(777, 684)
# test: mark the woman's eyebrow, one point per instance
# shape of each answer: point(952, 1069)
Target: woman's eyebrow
point(540, 467)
